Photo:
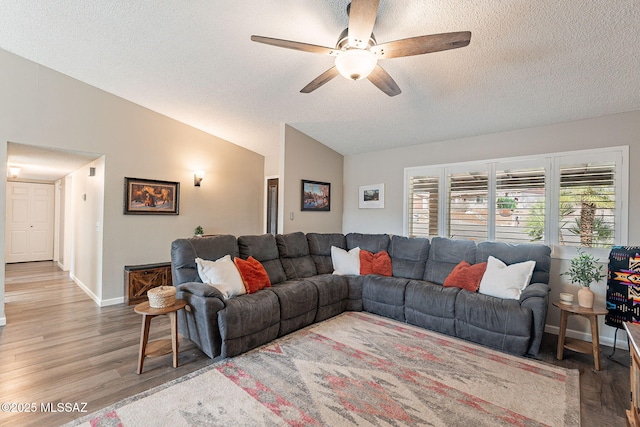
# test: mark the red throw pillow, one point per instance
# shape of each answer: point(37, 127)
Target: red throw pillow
point(466, 276)
point(379, 263)
point(253, 274)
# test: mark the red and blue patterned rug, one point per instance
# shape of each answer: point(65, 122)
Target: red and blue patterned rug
point(359, 369)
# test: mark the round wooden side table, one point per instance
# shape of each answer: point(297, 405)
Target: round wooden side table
point(575, 344)
point(159, 347)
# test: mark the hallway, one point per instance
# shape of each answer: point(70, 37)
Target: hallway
point(58, 346)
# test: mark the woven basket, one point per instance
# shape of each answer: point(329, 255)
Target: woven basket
point(162, 296)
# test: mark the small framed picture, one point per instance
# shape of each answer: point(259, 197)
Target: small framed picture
point(371, 196)
point(151, 197)
point(316, 196)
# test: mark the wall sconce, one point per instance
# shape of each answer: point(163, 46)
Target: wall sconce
point(14, 172)
point(198, 176)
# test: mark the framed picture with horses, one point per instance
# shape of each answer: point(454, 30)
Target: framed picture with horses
point(151, 197)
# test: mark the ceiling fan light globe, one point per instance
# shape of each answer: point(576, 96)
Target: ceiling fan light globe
point(356, 64)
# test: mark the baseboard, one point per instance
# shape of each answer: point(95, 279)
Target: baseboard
point(86, 290)
point(100, 302)
point(621, 341)
point(3, 321)
point(112, 301)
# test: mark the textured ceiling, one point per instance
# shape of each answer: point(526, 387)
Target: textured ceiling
point(529, 63)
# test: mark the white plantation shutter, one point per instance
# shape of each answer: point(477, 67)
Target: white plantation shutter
point(586, 212)
point(467, 213)
point(525, 189)
point(561, 200)
point(423, 206)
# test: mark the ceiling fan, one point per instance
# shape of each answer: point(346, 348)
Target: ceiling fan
point(357, 52)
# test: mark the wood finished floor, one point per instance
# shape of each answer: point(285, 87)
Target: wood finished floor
point(58, 346)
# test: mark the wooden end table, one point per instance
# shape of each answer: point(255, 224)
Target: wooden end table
point(633, 333)
point(159, 347)
point(575, 344)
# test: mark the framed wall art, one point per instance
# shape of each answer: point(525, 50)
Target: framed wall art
point(371, 196)
point(151, 197)
point(316, 196)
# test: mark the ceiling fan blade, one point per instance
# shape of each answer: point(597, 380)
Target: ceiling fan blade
point(384, 81)
point(288, 44)
point(362, 17)
point(320, 80)
point(422, 44)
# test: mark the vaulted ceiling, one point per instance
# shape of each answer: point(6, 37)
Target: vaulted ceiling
point(529, 63)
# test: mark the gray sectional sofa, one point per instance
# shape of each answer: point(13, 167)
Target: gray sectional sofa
point(305, 291)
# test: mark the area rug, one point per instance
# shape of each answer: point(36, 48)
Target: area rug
point(363, 370)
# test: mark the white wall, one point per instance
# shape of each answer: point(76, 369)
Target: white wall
point(388, 167)
point(271, 165)
point(87, 214)
point(44, 108)
point(67, 223)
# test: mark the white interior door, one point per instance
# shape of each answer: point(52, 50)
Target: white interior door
point(29, 227)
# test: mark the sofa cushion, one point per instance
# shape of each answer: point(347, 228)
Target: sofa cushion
point(264, 249)
point(354, 303)
point(185, 251)
point(431, 306)
point(345, 262)
point(333, 295)
point(444, 255)
point(379, 263)
point(510, 254)
point(369, 242)
point(254, 276)
point(503, 324)
point(409, 256)
point(466, 276)
point(223, 275)
point(248, 322)
point(506, 281)
point(298, 304)
point(384, 296)
point(320, 249)
point(294, 255)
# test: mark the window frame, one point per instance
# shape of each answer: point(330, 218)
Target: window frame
point(552, 163)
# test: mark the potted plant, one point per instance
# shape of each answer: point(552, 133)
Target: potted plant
point(585, 270)
point(198, 231)
point(506, 205)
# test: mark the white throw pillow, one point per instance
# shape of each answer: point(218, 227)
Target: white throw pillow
point(222, 274)
point(506, 281)
point(345, 262)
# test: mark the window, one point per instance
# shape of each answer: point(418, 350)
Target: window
point(587, 204)
point(423, 205)
point(566, 199)
point(468, 216)
point(520, 204)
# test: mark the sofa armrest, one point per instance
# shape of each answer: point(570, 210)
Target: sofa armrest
point(536, 297)
point(200, 289)
point(534, 290)
point(198, 322)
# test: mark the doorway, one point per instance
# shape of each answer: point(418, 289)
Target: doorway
point(76, 197)
point(272, 206)
point(30, 222)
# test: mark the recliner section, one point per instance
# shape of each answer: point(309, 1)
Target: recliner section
point(384, 296)
point(304, 291)
point(431, 306)
point(248, 322)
